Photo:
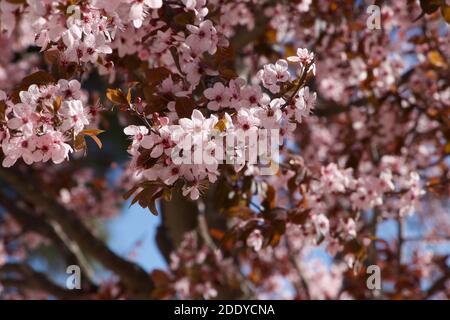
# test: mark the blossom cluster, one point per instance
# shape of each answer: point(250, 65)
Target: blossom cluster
point(324, 281)
point(91, 200)
point(375, 141)
point(90, 31)
point(210, 266)
point(365, 192)
point(394, 190)
point(246, 109)
point(41, 126)
point(81, 32)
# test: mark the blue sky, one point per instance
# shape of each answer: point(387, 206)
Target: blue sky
point(132, 225)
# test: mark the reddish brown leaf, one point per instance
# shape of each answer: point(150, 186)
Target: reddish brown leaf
point(184, 106)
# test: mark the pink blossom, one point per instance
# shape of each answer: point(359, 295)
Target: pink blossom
point(305, 102)
point(251, 96)
point(19, 147)
point(303, 56)
point(75, 116)
point(321, 223)
point(247, 120)
point(203, 38)
point(336, 180)
point(218, 95)
point(271, 115)
point(23, 119)
point(191, 190)
point(39, 125)
point(255, 240)
point(234, 88)
point(70, 89)
point(274, 74)
point(138, 13)
point(139, 135)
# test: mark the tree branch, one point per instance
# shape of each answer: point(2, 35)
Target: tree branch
point(31, 222)
point(438, 285)
point(30, 279)
point(178, 217)
point(133, 276)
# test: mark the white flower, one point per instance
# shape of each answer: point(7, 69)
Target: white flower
point(305, 102)
point(303, 56)
point(255, 240)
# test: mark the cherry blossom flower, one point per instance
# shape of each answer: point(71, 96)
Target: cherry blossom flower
point(162, 142)
point(71, 89)
point(39, 125)
point(192, 190)
point(7, 17)
point(348, 228)
point(251, 96)
point(321, 223)
point(271, 115)
point(247, 120)
point(255, 240)
point(71, 36)
point(372, 151)
point(303, 56)
point(203, 38)
point(234, 88)
point(305, 102)
point(218, 95)
point(23, 119)
point(75, 116)
point(274, 74)
point(139, 134)
point(336, 180)
point(137, 11)
point(19, 147)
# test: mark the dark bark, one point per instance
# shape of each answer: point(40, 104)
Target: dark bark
point(136, 279)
